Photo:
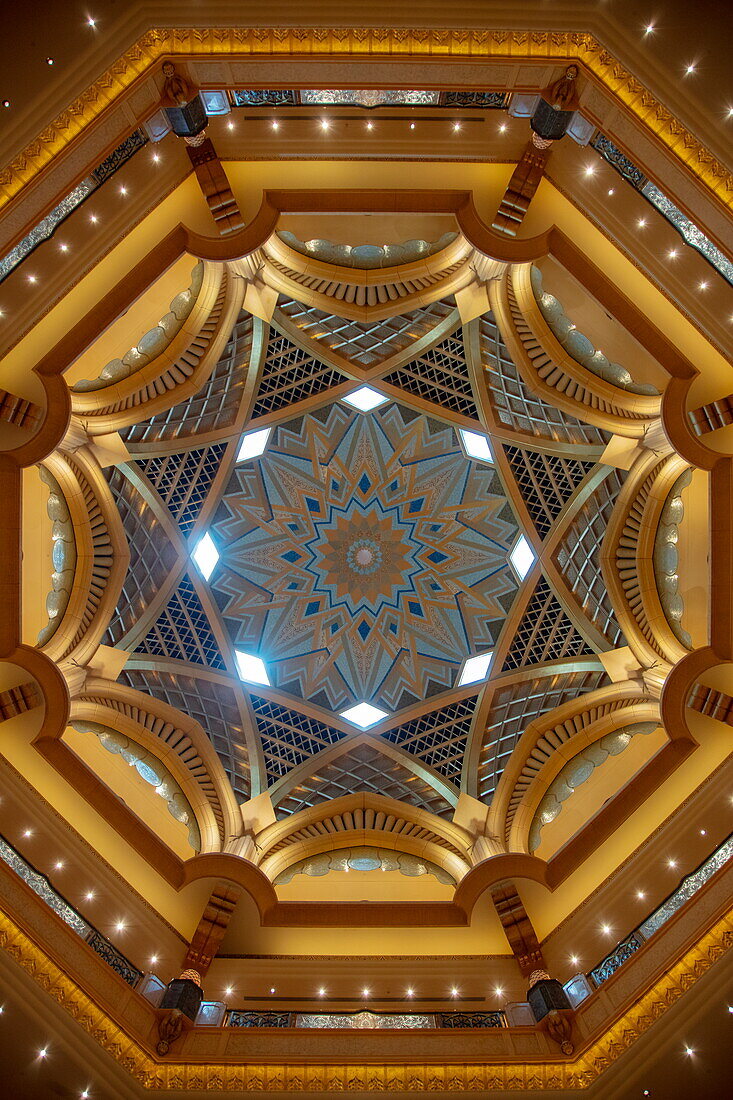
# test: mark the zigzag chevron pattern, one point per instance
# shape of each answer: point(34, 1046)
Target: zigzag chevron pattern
point(182, 631)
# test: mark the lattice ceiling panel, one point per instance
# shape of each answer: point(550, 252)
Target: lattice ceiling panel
point(288, 738)
point(512, 709)
point(213, 706)
point(215, 406)
point(518, 407)
point(183, 481)
point(438, 739)
point(289, 375)
point(439, 375)
point(364, 768)
point(546, 483)
point(182, 631)
point(367, 343)
point(545, 633)
point(152, 555)
point(579, 556)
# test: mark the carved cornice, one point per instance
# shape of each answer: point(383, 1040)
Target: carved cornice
point(322, 42)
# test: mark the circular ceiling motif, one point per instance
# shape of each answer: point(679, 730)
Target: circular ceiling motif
point(364, 556)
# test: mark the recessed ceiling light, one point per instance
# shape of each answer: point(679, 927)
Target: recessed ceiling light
point(649, 28)
point(574, 960)
point(93, 219)
point(272, 989)
point(6, 103)
point(206, 555)
point(64, 247)
point(59, 864)
point(153, 959)
point(275, 124)
point(365, 399)
point(123, 190)
point(49, 61)
point(502, 128)
point(476, 445)
point(589, 169)
point(672, 254)
point(703, 832)
point(364, 715)
point(606, 929)
point(228, 991)
point(454, 992)
point(91, 22)
point(412, 125)
point(89, 895)
point(641, 223)
point(156, 158)
point(120, 926)
point(321, 992)
point(475, 668)
point(365, 992)
point(251, 669)
point(522, 557)
point(325, 123)
point(704, 286)
point(689, 1052)
point(253, 444)
point(32, 279)
point(690, 69)
point(611, 191)
point(672, 863)
point(640, 895)
point(28, 832)
point(43, 1052)
point(499, 992)
point(370, 125)
point(456, 125)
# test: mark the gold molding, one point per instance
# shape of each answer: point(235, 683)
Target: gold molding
point(469, 1077)
point(322, 42)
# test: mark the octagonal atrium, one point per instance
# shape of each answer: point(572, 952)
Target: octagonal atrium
point(367, 639)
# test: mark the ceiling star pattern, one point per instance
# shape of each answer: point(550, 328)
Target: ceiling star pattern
point(363, 557)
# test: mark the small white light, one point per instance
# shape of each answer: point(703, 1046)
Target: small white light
point(690, 69)
point(730, 112)
point(370, 125)
point(672, 254)
point(574, 960)
point(730, 1008)
point(454, 992)
point(123, 190)
point(156, 158)
point(6, 103)
point(672, 863)
point(689, 1052)
point(91, 22)
point(590, 169)
point(84, 1095)
point(365, 992)
point(59, 864)
point(251, 669)
point(364, 715)
point(64, 247)
point(28, 832)
point(640, 895)
point(412, 125)
point(325, 124)
point(499, 992)
point(475, 668)
point(49, 61)
point(476, 445)
point(704, 286)
point(120, 926)
point(89, 895)
point(606, 929)
point(153, 960)
point(43, 1052)
point(649, 28)
point(321, 992)
point(32, 279)
point(703, 832)
point(522, 557)
point(272, 989)
point(502, 128)
point(410, 992)
point(230, 125)
point(206, 555)
point(93, 219)
point(641, 223)
point(253, 444)
point(456, 125)
point(275, 124)
point(611, 191)
point(228, 991)
point(365, 399)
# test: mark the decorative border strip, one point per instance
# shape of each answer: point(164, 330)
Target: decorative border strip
point(322, 42)
point(416, 1077)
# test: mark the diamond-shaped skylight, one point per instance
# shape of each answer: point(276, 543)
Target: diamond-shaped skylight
point(475, 668)
point(206, 556)
point(522, 557)
point(476, 445)
point(251, 669)
point(365, 399)
point(364, 715)
point(253, 444)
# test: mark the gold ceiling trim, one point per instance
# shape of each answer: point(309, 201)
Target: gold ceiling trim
point(469, 1077)
point(322, 42)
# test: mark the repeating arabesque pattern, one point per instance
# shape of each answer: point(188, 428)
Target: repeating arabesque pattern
point(363, 557)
